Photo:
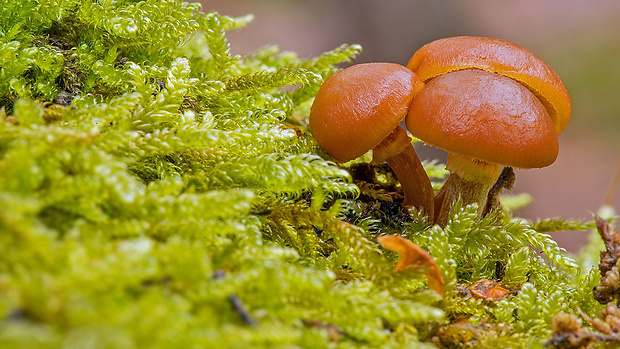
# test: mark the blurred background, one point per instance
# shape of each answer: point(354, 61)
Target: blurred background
point(580, 39)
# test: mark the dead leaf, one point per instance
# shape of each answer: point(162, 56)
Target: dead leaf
point(489, 290)
point(412, 255)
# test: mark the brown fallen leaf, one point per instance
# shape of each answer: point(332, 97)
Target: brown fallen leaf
point(413, 255)
point(489, 290)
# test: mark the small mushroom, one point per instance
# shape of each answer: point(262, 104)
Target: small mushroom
point(450, 55)
point(484, 121)
point(358, 109)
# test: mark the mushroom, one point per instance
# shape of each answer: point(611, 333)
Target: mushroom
point(484, 121)
point(359, 109)
point(449, 55)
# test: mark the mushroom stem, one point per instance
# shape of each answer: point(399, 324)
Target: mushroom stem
point(469, 181)
point(397, 151)
point(413, 180)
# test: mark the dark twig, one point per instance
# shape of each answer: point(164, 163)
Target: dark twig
point(236, 303)
point(241, 311)
point(505, 180)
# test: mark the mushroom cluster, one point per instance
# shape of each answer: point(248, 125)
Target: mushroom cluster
point(359, 109)
point(488, 102)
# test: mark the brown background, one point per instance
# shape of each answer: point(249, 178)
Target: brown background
point(580, 39)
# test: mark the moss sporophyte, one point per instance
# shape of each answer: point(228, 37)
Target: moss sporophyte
point(157, 191)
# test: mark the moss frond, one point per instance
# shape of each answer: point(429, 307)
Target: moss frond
point(517, 267)
point(217, 41)
point(327, 60)
point(560, 224)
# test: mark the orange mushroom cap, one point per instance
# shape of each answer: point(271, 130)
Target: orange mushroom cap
point(357, 107)
point(498, 56)
point(484, 116)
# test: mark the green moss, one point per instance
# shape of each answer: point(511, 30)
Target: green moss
point(157, 191)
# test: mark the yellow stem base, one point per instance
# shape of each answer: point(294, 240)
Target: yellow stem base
point(469, 181)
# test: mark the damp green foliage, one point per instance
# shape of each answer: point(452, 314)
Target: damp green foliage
point(560, 224)
point(158, 191)
point(544, 279)
point(477, 247)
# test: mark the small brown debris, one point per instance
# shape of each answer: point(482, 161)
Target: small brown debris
point(611, 314)
point(459, 335)
point(365, 177)
point(609, 288)
point(52, 112)
point(287, 126)
point(596, 323)
point(568, 333)
point(489, 290)
point(374, 191)
point(363, 171)
point(379, 194)
point(413, 255)
point(612, 245)
point(333, 332)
